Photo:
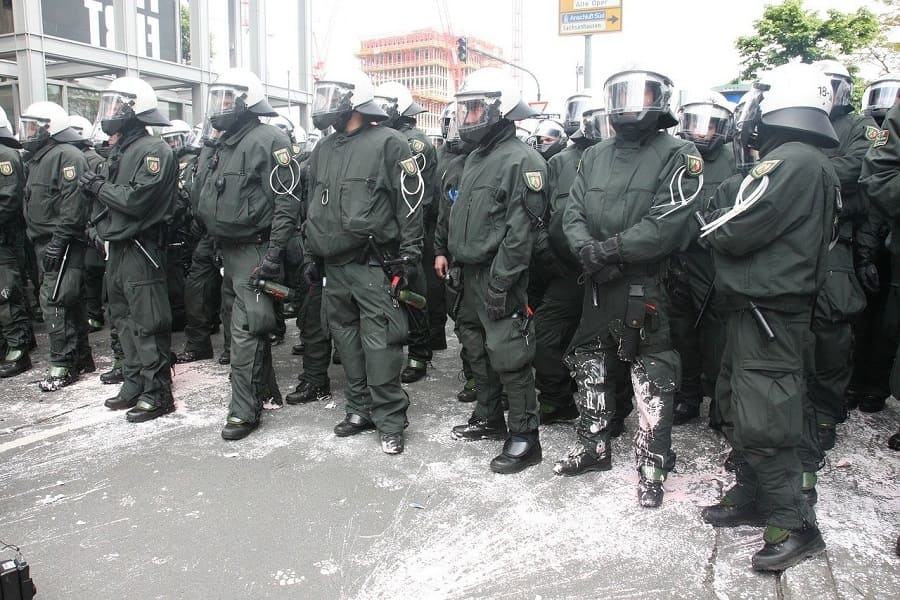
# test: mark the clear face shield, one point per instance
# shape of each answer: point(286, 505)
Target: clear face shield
point(574, 108)
point(115, 109)
point(706, 125)
point(880, 97)
point(176, 141)
point(389, 105)
point(224, 104)
point(33, 132)
point(748, 117)
point(549, 138)
point(595, 126)
point(332, 99)
point(843, 92)
point(634, 93)
point(475, 115)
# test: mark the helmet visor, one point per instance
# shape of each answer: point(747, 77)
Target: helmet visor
point(33, 129)
point(575, 107)
point(175, 140)
point(882, 95)
point(115, 105)
point(223, 100)
point(636, 92)
point(843, 91)
point(595, 126)
point(389, 105)
point(474, 111)
point(332, 97)
point(704, 123)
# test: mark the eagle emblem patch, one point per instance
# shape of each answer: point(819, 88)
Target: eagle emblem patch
point(693, 164)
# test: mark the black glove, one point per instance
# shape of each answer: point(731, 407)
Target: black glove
point(197, 230)
point(405, 271)
point(311, 272)
point(607, 274)
point(495, 304)
point(53, 254)
point(595, 255)
point(96, 241)
point(868, 277)
point(269, 268)
point(90, 183)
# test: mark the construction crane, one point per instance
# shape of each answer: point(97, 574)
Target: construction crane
point(457, 69)
point(322, 50)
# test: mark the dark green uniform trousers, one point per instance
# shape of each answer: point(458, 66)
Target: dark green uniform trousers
point(499, 353)
point(437, 296)
point(369, 332)
point(65, 317)
point(252, 320)
point(761, 392)
point(94, 268)
point(875, 333)
point(15, 322)
point(316, 341)
point(555, 322)
point(202, 298)
point(419, 339)
point(139, 308)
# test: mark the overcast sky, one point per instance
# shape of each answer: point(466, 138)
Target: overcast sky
point(691, 41)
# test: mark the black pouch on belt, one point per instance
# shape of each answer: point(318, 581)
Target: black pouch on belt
point(635, 313)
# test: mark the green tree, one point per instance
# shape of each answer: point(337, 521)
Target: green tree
point(884, 50)
point(788, 31)
point(185, 34)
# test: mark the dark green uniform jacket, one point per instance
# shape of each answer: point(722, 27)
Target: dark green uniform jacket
point(12, 187)
point(563, 168)
point(236, 200)
point(54, 204)
point(140, 187)
point(501, 195)
point(856, 133)
point(355, 192)
point(94, 160)
point(451, 168)
point(880, 176)
point(423, 151)
point(624, 194)
point(775, 251)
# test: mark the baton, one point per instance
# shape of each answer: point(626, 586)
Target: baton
point(761, 321)
point(59, 275)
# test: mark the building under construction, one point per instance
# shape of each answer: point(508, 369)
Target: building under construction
point(426, 62)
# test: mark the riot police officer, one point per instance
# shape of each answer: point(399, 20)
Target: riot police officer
point(770, 246)
point(55, 213)
point(133, 195)
point(15, 324)
point(365, 228)
point(492, 231)
point(629, 209)
point(239, 208)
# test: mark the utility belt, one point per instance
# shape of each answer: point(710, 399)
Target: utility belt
point(787, 303)
point(259, 237)
point(363, 255)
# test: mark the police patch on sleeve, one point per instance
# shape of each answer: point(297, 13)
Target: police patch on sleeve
point(295, 148)
point(68, 173)
point(764, 168)
point(152, 163)
point(882, 138)
point(534, 180)
point(872, 133)
point(409, 165)
point(417, 146)
point(282, 156)
point(693, 164)
point(6, 168)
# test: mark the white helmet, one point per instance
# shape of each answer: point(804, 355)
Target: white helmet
point(81, 126)
point(594, 119)
point(300, 135)
point(881, 95)
point(575, 107)
point(126, 99)
point(549, 138)
point(705, 118)
point(487, 96)
point(396, 100)
point(794, 98)
point(42, 121)
point(841, 85)
point(7, 137)
point(176, 134)
point(234, 92)
point(341, 92)
point(638, 100)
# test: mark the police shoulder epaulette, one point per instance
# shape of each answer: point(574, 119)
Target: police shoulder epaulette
point(764, 168)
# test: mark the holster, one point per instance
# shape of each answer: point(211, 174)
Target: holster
point(635, 314)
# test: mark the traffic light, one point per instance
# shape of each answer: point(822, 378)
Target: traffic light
point(462, 49)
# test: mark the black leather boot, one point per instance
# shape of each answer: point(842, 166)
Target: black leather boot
point(520, 451)
point(579, 461)
point(144, 410)
point(727, 514)
point(781, 552)
point(352, 425)
point(480, 429)
point(308, 392)
point(15, 362)
point(237, 429)
point(189, 356)
point(650, 487)
point(413, 371)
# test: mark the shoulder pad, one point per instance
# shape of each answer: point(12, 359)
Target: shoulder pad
point(69, 172)
point(882, 138)
point(282, 156)
point(409, 165)
point(693, 164)
point(764, 168)
point(534, 180)
point(152, 163)
point(6, 168)
point(417, 146)
point(872, 133)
